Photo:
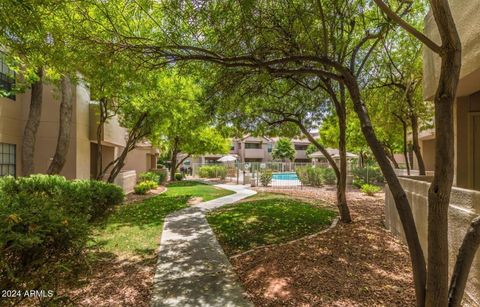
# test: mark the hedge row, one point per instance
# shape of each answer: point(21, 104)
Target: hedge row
point(212, 171)
point(45, 224)
point(316, 176)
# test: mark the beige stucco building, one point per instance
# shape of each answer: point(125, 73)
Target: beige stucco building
point(465, 197)
point(256, 149)
point(81, 158)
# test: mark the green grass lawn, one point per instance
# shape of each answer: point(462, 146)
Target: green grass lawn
point(135, 229)
point(266, 219)
point(196, 189)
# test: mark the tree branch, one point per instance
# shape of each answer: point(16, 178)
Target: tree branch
point(405, 25)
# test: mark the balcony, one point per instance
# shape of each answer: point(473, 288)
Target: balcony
point(254, 153)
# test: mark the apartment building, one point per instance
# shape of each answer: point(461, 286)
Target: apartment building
point(257, 149)
point(82, 152)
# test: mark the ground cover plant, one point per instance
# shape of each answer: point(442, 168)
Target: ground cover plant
point(370, 189)
point(266, 219)
point(143, 187)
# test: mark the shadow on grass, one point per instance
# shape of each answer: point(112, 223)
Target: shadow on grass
point(135, 229)
point(266, 220)
point(185, 183)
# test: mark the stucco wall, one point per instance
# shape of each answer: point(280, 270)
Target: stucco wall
point(466, 15)
point(126, 180)
point(140, 160)
point(14, 115)
point(464, 206)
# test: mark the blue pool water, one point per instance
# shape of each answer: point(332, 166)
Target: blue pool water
point(285, 176)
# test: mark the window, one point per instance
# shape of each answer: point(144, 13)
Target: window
point(232, 147)
point(270, 147)
point(301, 147)
point(7, 77)
point(7, 159)
point(253, 145)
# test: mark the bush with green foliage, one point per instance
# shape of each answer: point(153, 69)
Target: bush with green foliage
point(316, 176)
point(98, 197)
point(179, 176)
point(162, 175)
point(212, 171)
point(266, 177)
point(312, 176)
point(358, 183)
point(148, 176)
point(45, 224)
point(369, 174)
point(328, 175)
point(370, 189)
point(143, 187)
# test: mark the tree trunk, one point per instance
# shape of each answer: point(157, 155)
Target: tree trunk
point(342, 150)
point(135, 134)
point(416, 144)
point(181, 161)
point(31, 127)
point(103, 116)
point(465, 257)
point(341, 198)
point(439, 192)
point(173, 167)
point(63, 141)
point(391, 156)
point(399, 196)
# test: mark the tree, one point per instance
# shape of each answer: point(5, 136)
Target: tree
point(197, 141)
point(34, 34)
point(190, 131)
point(147, 109)
point(437, 290)
point(289, 39)
point(401, 72)
point(267, 106)
point(63, 141)
point(284, 150)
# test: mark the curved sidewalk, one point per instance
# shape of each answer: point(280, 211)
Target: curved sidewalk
point(192, 269)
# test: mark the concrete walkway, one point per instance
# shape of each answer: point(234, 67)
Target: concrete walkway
point(192, 268)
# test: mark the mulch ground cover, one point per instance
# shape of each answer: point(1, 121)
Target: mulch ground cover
point(357, 264)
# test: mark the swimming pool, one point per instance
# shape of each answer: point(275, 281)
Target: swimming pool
point(285, 176)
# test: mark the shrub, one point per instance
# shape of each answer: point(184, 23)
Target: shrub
point(369, 174)
point(150, 176)
point(143, 187)
point(179, 176)
point(328, 176)
point(213, 171)
point(44, 230)
point(162, 175)
point(97, 197)
point(266, 178)
point(312, 176)
point(370, 189)
point(358, 183)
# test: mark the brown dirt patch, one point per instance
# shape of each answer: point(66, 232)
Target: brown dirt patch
point(359, 264)
point(194, 201)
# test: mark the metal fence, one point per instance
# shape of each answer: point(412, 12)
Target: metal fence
point(281, 174)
